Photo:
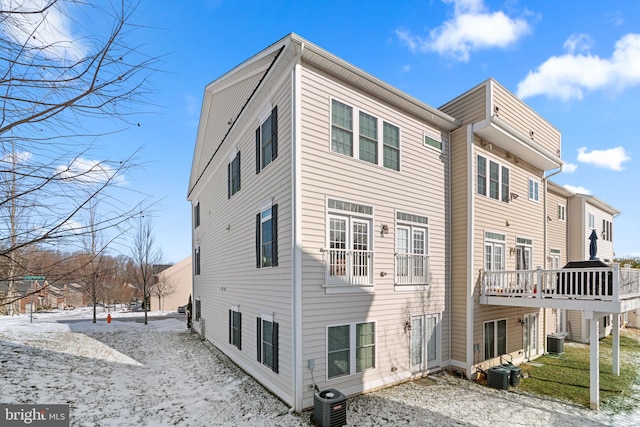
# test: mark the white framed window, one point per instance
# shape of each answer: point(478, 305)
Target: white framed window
point(345, 120)
point(267, 339)
point(391, 146)
point(562, 212)
point(267, 237)
point(524, 253)
point(495, 338)
point(349, 255)
point(534, 190)
point(592, 221)
point(368, 138)
point(554, 259)
point(607, 230)
point(267, 140)
point(432, 141)
point(196, 261)
point(233, 175)
point(196, 214)
point(494, 251)
point(341, 128)
point(351, 349)
point(412, 249)
point(492, 179)
point(235, 327)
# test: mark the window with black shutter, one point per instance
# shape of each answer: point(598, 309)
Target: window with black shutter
point(267, 340)
point(267, 141)
point(267, 237)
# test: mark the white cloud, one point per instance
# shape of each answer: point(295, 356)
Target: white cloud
point(569, 168)
point(609, 159)
point(406, 68)
point(16, 157)
point(472, 28)
point(85, 171)
point(577, 189)
point(578, 43)
point(568, 76)
point(49, 31)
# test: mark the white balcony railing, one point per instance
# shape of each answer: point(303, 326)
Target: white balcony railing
point(604, 283)
point(349, 267)
point(412, 269)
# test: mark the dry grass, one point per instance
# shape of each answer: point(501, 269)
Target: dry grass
point(566, 376)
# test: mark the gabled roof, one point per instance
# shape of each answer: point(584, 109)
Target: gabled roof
point(228, 98)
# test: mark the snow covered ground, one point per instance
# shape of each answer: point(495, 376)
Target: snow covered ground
point(129, 374)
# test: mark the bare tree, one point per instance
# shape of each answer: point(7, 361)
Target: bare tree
point(145, 256)
point(54, 86)
point(162, 288)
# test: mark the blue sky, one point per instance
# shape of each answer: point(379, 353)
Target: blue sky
point(577, 63)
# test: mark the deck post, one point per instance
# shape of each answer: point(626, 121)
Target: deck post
point(594, 369)
point(615, 345)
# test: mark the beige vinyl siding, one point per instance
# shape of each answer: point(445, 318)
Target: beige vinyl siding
point(459, 228)
point(418, 188)
point(471, 107)
point(556, 229)
point(605, 247)
point(519, 115)
point(577, 329)
point(520, 217)
point(227, 239)
point(223, 106)
point(577, 218)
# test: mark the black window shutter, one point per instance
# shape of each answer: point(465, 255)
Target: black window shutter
point(274, 338)
point(229, 181)
point(274, 231)
point(274, 133)
point(258, 150)
point(230, 327)
point(259, 336)
point(258, 264)
point(239, 331)
point(238, 171)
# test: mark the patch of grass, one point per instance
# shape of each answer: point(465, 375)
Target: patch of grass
point(567, 376)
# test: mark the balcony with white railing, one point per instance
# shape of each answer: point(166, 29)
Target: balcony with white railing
point(605, 289)
point(412, 269)
point(348, 267)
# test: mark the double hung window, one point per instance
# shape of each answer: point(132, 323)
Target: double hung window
point(267, 237)
point(267, 141)
point(233, 176)
point(534, 190)
point(371, 132)
point(562, 212)
point(492, 181)
point(235, 328)
point(267, 341)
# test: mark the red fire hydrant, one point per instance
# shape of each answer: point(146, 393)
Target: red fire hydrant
point(109, 318)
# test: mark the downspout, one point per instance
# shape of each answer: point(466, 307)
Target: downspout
point(545, 180)
point(296, 247)
point(470, 252)
point(449, 251)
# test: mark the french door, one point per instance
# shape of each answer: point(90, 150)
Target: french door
point(425, 342)
point(530, 335)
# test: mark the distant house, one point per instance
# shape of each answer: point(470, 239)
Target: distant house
point(176, 280)
point(346, 235)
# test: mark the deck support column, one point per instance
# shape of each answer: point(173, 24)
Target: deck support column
point(615, 345)
point(594, 369)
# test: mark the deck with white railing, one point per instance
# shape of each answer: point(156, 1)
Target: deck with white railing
point(602, 289)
